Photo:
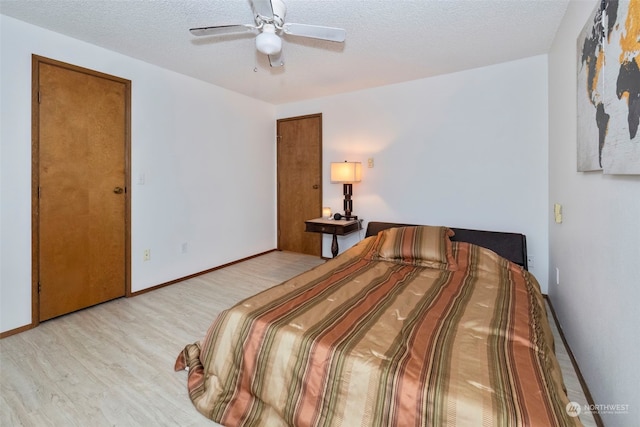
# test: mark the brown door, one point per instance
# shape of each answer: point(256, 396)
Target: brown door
point(299, 182)
point(81, 146)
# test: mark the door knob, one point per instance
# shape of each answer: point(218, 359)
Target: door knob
point(118, 190)
point(315, 187)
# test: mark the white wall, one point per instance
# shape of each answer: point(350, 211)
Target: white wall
point(209, 177)
point(597, 246)
point(466, 150)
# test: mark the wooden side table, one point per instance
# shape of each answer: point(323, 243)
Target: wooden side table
point(336, 227)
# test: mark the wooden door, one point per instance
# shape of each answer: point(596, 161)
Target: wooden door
point(299, 182)
point(81, 149)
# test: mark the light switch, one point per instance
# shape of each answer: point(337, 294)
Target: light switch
point(557, 213)
point(370, 162)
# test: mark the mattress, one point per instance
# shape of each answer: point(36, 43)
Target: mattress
point(367, 341)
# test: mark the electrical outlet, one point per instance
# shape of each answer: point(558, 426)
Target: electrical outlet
point(530, 260)
point(370, 162)
point(146, 255)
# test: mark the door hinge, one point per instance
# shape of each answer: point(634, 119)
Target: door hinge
point(39, 287)
point(39, 192)
point(38, 97)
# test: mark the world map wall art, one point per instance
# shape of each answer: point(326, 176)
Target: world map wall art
point(609, 89)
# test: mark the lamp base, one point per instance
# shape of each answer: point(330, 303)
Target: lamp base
point(347, 190)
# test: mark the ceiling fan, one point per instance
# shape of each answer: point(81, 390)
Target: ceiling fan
point(269, 24)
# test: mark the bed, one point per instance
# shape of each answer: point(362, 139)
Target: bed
point(412, 326)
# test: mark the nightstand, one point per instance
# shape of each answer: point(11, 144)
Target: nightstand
point(336, 227)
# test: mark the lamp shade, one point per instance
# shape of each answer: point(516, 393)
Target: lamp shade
point(268, 41)
point(346, 172)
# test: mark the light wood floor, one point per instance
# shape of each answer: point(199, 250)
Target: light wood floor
point(571, 382)
point(112, 365)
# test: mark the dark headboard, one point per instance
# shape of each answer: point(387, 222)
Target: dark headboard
point(512, 246)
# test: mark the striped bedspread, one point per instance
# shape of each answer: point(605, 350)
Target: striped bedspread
point(356, 342)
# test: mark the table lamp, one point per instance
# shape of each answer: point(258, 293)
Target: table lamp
point(346, 173)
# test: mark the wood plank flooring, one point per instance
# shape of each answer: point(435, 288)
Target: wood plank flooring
point(571, 381)
point(112, 364)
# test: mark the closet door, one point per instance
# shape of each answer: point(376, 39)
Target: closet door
point(81, 149)
point(299, 182)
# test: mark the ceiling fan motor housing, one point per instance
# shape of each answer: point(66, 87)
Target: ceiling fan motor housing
point(279, 12)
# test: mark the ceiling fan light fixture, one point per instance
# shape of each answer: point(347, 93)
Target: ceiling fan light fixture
point(269, 18)
point(268, 41)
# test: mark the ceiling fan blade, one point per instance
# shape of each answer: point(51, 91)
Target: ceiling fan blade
point(276, 60)
point(315, 32)
point(262, 8)
point(221, 29)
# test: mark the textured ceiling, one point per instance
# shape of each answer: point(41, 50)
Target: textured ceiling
point(388, 41)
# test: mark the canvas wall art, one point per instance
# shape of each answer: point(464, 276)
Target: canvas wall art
point(608, 92)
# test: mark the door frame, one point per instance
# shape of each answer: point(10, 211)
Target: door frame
point(320, 192)
point(36, 60)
